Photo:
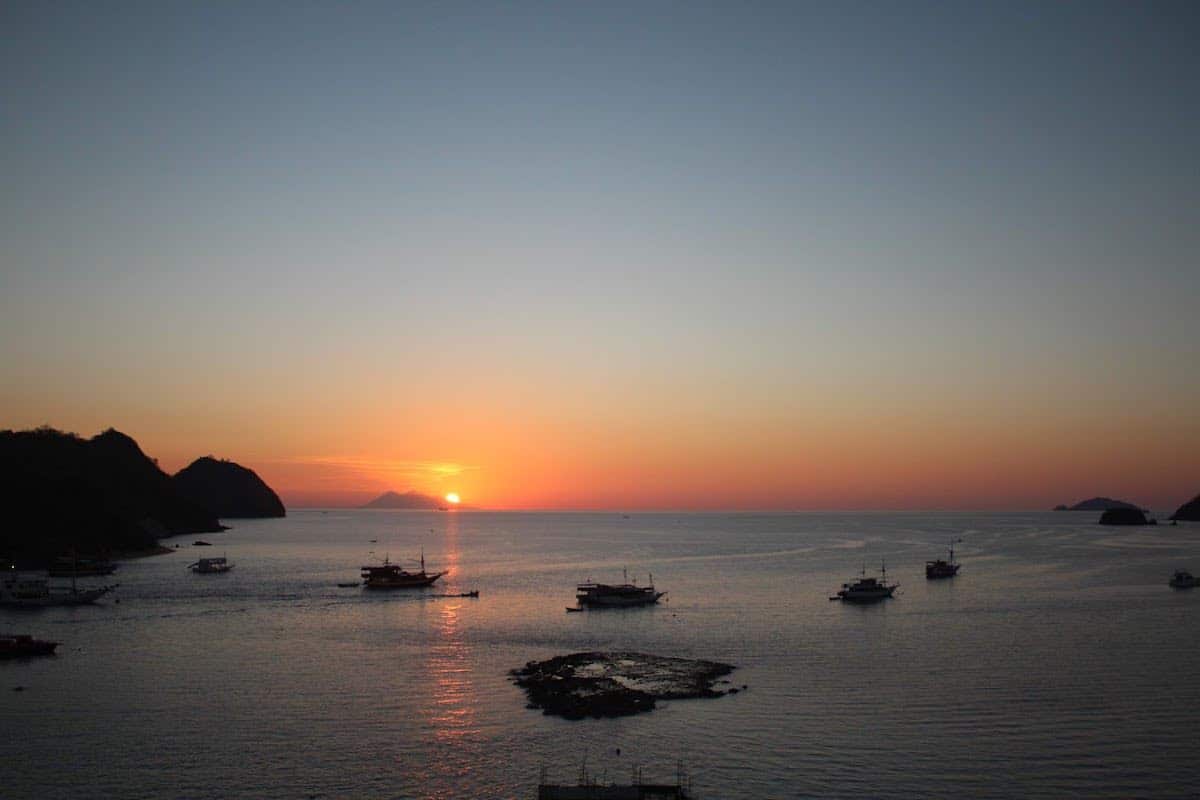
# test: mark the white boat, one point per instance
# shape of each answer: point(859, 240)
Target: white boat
point(867, 590)
point(207, 566)
point(17, 589)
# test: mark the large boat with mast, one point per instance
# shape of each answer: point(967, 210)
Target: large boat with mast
point(942, 568)
point(604, 595)
point(25, 590)
point(393, 576)
point(866, 589)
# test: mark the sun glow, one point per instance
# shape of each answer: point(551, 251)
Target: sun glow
point(452, 497)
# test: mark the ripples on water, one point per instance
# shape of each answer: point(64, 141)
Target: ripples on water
point(1057, 664)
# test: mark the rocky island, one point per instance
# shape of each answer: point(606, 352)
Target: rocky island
point(227, 489)
point(1189, 511)
point(1098, 504)
point(615, 684)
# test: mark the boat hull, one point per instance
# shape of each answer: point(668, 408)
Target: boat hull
point(619, 602)
point(413, 582)
point(25, 647)
point(80, 598)
point(863, 598)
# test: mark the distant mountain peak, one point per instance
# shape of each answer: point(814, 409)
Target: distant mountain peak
point(409, 499)
point(1099, 504)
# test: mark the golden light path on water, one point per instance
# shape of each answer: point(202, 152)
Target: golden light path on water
point(453, 703)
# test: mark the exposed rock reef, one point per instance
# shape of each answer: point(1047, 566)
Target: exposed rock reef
point(1125, 516)
point(1098, 504)
point(227, 489)
point(60, 491)
point(1189, 511)
point(406, 500)
point(615, 684)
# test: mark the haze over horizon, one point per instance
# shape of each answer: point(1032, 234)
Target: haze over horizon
point(619, 256)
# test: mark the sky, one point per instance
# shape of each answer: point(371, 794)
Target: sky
point(620, 256)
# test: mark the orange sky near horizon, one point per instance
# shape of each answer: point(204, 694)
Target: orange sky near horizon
point(698, 454)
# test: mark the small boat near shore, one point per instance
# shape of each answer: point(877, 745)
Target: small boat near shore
point(22, 645)
point(211, 566)
point(393, 576)
point(867, 590)
point(201, 543)
point(1182, 579)
point(34, 591)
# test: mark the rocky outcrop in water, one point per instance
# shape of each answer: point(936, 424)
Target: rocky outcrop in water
point(1125, 516)
point(227, 489)
point(1189, 510)
point(615, 684)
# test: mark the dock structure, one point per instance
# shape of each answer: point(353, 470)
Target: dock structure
point(588, 788)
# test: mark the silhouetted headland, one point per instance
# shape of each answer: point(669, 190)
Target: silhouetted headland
point(1189, 511)
point(227, 489)
point(1125, 516)
point(615, 684)
point(1098, 504)
point(413, 500)
point(63, 493)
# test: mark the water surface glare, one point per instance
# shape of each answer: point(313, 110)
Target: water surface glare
point(1058, 663)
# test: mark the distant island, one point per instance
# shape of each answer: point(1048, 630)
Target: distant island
point(1098, 504)
point(227, 489)
point(409, 500)
point(61, 493)
point(1189, 511)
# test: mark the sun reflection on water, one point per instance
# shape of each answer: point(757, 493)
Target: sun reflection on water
point(454, 700)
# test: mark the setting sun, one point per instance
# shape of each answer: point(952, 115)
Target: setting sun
point(452, 497)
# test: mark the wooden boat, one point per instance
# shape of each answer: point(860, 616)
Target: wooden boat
point(209, 566)
point(33, 591)
point(70, 566)
point(21, 645)
point(624, 595)
point(1182, 579)
point(942, 568)
point(392, 576)
point(867, 590)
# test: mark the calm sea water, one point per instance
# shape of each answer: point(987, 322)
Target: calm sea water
point(1058, 663)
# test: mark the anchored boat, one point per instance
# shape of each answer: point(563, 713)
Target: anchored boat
point(22, 645)
point(34, 590)
point(208, 566)
point(393, 576)
point(867, 590)
point(604, 595)
point(1182, 579)
point(942, 568)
